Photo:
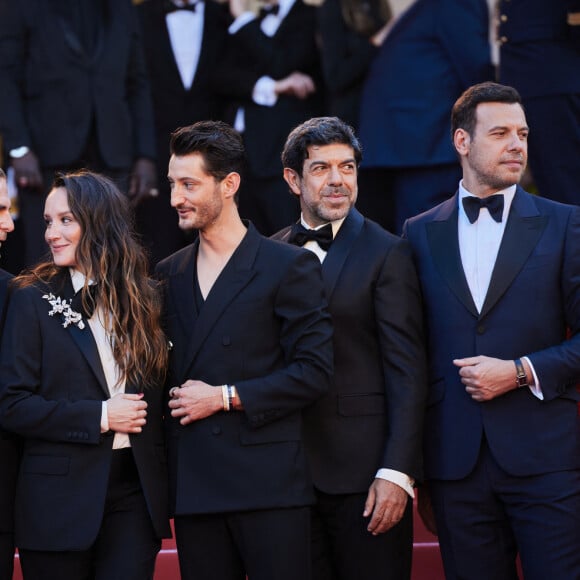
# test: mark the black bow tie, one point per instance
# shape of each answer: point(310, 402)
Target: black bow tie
point(171, 7)
point(299, 235)
point(493, 203)
point(77, 302)
point(267, 10)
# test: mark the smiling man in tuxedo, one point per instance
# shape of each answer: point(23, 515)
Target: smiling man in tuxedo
point(363, 439)
point(500, 275)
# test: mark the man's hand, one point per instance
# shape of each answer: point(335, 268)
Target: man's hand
point(143, 182)
point(386, 503)
point(486, 378)
point(195, 400)
point(27, 172)
point(297, 85)
point(126, 413)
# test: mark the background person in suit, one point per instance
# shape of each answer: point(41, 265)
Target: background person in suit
point(183, 41)
point(75, 94)
point(500, 274)
point(540, 57)
point(80, 383)
point(252, 347)
point(271, 79)
point(363, 439)
point(9, 448)
point(434, 51)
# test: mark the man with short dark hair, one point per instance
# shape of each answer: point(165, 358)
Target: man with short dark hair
point(251, 347)
point(363, 439)
point(500, 275)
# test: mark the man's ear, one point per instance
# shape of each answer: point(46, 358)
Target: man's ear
point(292, 179)
point(462, 141)
point(231, 184)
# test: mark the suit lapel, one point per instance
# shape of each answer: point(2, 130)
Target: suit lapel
point(340, 249)
point(444, 245)
point(523, 230)
point(84, 340)
point(237, 273)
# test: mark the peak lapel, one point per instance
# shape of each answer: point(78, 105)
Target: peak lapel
point(340, 249)
point(523, 230)
point(444, 244)
point(236, 274)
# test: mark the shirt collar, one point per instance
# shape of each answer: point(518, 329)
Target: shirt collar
point(508, 194)
point(335, 225)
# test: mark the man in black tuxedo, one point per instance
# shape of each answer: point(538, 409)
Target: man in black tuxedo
point(252, 346)
point(183, 40)
point(272, 80)
point(363, 439)
point(74, 94)
point(9, 452)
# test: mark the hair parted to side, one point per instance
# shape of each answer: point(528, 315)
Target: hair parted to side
point(110, 255)
point(463, 114)
point(318, 131)
point(219, 144)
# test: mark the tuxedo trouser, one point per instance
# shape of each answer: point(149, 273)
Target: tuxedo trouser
point(270, 544)
point(126, 546)
point(486, 518)
point(343, 548)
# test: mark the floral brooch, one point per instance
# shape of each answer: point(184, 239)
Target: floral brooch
point(60, 306)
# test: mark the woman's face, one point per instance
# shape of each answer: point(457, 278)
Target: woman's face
point(63, 232)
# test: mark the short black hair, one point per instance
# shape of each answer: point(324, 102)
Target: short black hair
point(318, 131)
point(463, 114)
point(219, 144)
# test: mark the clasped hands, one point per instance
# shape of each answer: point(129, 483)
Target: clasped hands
point(486, 378)
point(127, 413)
point(194, 400)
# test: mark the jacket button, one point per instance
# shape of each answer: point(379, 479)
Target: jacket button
point(481, 329)
point(503, 18)
point(216, 430)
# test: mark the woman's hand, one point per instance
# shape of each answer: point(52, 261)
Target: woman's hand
point(126, 413)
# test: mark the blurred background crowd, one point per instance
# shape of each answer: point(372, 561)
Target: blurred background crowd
point(102, 84)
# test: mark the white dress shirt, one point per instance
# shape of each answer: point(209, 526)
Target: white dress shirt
point(115, 383)
point(186, 34)
point(479, 244)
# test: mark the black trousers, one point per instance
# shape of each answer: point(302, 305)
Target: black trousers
point(126, 546)
point(266, 545)
point(343, 548)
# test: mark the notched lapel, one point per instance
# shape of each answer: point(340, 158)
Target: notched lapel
point(340, 249)
point(444, 246)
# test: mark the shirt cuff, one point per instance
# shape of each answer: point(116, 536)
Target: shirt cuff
point(104, 418)
point(264, 92)
point(398, 478)
point(241, 21)
point(536, 388)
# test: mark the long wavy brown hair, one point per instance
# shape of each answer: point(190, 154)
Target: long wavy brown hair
point(110, 255)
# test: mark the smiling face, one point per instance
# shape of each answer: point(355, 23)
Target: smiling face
point(6, 223)
point(495, 156)
point(327, 187)
point(63, 232)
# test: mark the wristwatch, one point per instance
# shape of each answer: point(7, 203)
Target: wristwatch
point(521, 377)
point(19, 152)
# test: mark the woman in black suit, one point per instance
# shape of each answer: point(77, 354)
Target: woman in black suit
point(81, 378)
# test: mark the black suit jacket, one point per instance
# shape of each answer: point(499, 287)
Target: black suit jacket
point(53, 91)
point(265, 328)
point(373, 415)
point(250, 55)
point(52, 387)
point(9, 446)
point(175, 106)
